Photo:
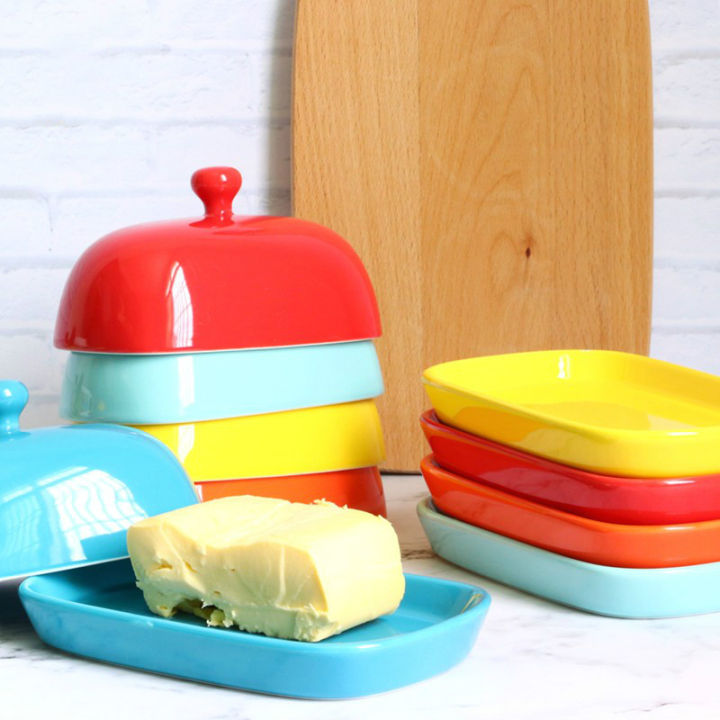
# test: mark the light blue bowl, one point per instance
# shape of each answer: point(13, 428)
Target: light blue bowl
point(98, 612)
point(190, 387)
point(68, 494)
point(599, 589)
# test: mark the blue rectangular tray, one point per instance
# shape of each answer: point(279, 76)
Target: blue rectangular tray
point(98, 612)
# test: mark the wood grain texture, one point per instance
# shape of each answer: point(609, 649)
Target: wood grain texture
point(491, 162)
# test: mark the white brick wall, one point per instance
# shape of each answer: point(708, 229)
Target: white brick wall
point(107, 109)
point(109, 106)
point(686, 298)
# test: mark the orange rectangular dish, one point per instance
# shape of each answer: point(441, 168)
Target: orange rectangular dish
point(360, 488)
point(635, 546)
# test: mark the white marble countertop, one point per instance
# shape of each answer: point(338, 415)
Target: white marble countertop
point(532, 659)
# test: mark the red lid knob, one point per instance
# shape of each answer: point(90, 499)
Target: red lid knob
point(216, 187)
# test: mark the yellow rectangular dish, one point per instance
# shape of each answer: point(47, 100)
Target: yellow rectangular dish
point(610, 412)
point(292, 442)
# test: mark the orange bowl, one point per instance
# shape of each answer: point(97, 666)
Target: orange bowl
point(360, 488)
point(602, 543)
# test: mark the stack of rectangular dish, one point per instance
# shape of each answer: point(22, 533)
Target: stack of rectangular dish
point(588, 477)
point(245, 344)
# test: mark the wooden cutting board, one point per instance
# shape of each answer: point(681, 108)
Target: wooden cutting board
point(491, 162)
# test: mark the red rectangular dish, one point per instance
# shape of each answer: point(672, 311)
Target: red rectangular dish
point(610, 498)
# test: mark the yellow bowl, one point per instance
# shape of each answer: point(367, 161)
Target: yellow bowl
point(295, 442)
point(611, 412)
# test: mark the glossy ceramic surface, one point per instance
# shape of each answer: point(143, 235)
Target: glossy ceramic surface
point(296, 442)
point(68, 494)
point(611, 412)
point(221, 282)
point(99, 613)
point(185, 387)
point(361, 488)
point(610, 498)
point(618, 592)
point(639, 546)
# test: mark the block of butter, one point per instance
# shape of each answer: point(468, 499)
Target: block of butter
point(269, 566)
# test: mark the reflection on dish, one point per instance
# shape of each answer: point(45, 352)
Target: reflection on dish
point(63, 510)
point(181, 308)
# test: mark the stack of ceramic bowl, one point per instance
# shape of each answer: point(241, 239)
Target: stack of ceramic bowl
point(588, 477)
point(245, 344)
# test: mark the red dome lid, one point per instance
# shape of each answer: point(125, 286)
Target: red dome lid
point(217, 283)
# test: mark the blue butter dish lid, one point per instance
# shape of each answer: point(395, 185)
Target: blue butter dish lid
point(68, 494)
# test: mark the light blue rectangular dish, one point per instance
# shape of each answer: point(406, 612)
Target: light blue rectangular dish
point(190, 387)
point(599, 589)
point(99, 613)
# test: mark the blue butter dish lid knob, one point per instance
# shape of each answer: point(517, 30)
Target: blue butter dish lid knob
point(13, 399)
